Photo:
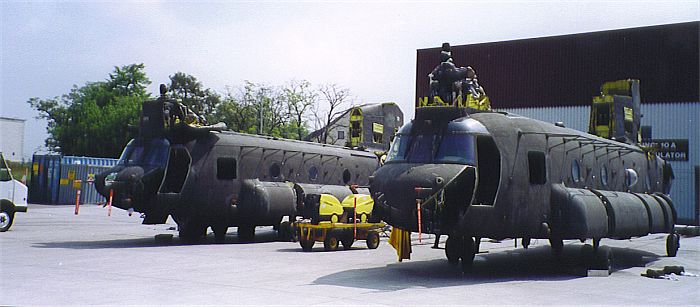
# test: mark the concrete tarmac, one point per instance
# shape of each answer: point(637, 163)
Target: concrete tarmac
point(52, 257)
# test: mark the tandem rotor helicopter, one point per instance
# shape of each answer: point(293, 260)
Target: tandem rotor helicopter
point(463, 170)
point(205, 177)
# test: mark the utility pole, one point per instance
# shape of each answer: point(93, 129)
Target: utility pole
point(261, 96)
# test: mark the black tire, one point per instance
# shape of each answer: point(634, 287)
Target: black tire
point(602, 259)
point(372, 240)
point(331, 242)
point(284, 232)
point(219, 233)
point(191, 231)
point(246, 233)
point(672, 244)
point(7, 217)
point(306, 245)
point(453, 249)
point(468, 253)
point(557, 245)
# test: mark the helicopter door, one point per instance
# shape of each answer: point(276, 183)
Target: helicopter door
point(176, 171)
point(489, 170)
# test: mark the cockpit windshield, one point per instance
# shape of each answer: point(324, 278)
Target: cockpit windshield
point(146, 154)
point(451, 143)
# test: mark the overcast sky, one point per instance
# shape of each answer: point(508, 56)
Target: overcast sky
point(369, 47)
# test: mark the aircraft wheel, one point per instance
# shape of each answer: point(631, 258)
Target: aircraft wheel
point(192, 231)
point(306, 245)
point(601, 258)
point(6, 219)
point(372, 240)
point(246, 233)
point(284, 232)
point(452, 250)
point(468, 254)
point(557, 245)
point(526, 242)
point(605, 258)
point(331, 242)
point(673, 242)
point(219, 233)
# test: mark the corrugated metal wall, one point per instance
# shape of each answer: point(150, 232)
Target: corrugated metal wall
point(679, 121)
point(569, 69)
point(43, 186)
point(668, 121)
point(75, 172)
point(55, 179)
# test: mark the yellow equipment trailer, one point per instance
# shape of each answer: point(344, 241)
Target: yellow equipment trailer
point(332, 234)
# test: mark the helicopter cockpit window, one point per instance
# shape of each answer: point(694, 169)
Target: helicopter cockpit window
point(457, 147)
point(454, 143)
point(397, 151)
point(154, 153)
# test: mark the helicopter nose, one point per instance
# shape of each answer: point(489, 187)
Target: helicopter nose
point(124, 183)
point(399, 187)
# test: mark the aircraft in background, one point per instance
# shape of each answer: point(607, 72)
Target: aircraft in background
point(204, 176)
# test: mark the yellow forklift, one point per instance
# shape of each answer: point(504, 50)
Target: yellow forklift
point(616, 112)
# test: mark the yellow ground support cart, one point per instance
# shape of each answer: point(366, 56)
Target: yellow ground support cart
point(332, 234)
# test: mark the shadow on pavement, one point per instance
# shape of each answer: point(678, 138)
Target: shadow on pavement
point(514, 265)
point(264, 236)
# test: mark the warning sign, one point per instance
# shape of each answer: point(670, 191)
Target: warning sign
point(71, 175)
point(670, 149)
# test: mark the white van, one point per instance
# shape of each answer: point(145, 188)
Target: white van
point(13, 196)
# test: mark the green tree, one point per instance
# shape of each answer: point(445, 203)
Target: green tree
point(192, 93)
point(241, 109)
point(93, 120)
point(300, 99)
point(237, 109)
point(335, 97)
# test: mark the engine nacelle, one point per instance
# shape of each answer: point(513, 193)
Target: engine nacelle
point(596, 213)
point(264, 202)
